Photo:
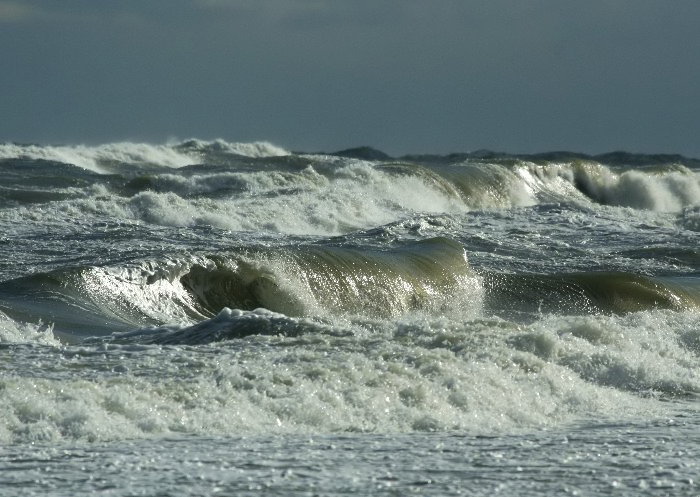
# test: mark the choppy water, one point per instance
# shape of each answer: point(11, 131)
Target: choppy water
point(212, 315)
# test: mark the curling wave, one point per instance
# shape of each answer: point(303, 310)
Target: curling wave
point(428, 276)
point(670, 188)
point(431, 275)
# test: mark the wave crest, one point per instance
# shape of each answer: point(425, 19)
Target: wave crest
point(112, 157)
point(670, 189)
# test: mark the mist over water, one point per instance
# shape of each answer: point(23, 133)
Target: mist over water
point(210, 289)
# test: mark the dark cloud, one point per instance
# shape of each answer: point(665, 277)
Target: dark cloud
point(408, 76)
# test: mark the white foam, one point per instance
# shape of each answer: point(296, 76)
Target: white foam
point(418, 375)
point(640, 352)
point(348, 196)
point(665, 191)
point(12, 331)
point(140, 294)
point(355, 196)
point(549, 182)
point(668, 192)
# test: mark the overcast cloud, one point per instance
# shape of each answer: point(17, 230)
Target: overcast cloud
point(402, 75)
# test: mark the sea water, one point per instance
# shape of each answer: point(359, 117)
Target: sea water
point(211, 317)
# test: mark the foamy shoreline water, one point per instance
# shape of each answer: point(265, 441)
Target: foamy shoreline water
point(209, 294)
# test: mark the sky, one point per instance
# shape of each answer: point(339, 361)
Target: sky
point(403, 76)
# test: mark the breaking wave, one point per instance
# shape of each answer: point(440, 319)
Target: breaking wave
point(432, 277)
point(668, 189)
point(111, 157)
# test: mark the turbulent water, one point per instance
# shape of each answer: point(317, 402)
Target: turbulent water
point(211, 316)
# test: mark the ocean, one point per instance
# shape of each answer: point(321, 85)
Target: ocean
point(207, 317)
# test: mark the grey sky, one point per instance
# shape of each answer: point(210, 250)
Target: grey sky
point(404, 76)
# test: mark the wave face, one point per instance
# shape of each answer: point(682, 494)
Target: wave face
point(429, 275)
point(216, 288)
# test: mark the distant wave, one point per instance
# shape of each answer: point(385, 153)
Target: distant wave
point(618, 158)
point(253, 186)
point(104, 158)
point(669, 188)
point(246, 149)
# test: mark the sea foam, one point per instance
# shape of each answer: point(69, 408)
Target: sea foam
point(479, 376)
